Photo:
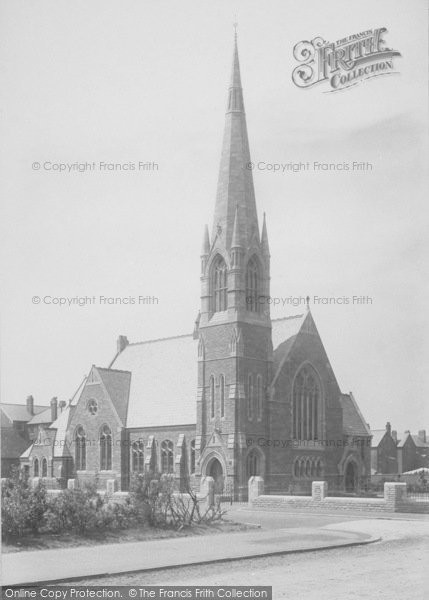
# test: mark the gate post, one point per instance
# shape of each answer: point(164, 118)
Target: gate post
point(256, 488)
point(207, 492)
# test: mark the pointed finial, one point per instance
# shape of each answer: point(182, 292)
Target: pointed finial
point(205, 249)
point(308, 303)
point(235, 25)
point(264, 237)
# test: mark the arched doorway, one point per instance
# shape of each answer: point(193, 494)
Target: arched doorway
point(351, 477)
point(214, 469)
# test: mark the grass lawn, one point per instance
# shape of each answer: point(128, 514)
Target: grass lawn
point(49, 541)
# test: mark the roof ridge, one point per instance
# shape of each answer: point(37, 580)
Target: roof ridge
point(287, 318)
point(173, 337)
point(115, 370)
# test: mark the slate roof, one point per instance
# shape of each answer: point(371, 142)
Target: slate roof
point(12, 443)
point(418, 442)
point(61, 447)
point(117, 384)
point(377, 436)
point(353, 421)
point(164, 376)
point(19, 412)
point(45, 416)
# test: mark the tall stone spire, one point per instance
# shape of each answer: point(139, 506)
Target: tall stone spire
point(235, 183)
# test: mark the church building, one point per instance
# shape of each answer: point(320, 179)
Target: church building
point(244, 394)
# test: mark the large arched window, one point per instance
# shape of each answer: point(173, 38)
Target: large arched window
point(167, 456)
point(306, 405)
point(44, 467)
point(222, 395)
point(212, 397)
point(137, 456)
point(252, 464)
point(219, 285)
point(259, 393)
point(80, 449)
point(296, 468)
point(252, 283)
point(105, 448)
point(250, 397)
point(36, 467)
point(192, 456)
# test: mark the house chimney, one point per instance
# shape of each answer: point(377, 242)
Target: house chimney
point(62, 405)
point(122, 343)
point(54, 409)
point(395, 435)
point(388, 428)
point(30, 405)
point(422, 435)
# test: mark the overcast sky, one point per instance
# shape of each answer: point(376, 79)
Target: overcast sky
point(142, 81)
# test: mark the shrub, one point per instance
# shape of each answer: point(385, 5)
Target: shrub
point(22, 507)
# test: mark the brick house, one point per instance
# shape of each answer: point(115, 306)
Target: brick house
point(243, 395)
point(384, 458)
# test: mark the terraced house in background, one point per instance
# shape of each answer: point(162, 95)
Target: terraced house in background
point(241, 395)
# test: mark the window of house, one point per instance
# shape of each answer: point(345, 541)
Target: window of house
point(137, 456)
point(167, 457)
point(306, 405)
point(36, 467)
point(252, 283)
point(219, 285)
point(80, 449)
point(105, 448)
point(193, 456)
point(44, 467)
point(296, 468)
point(222, 395)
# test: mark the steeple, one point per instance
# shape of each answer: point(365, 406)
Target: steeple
point(235, 182)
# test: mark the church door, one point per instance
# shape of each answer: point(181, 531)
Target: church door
point(351, 477)
point(215, 470)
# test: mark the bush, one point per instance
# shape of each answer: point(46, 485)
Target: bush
point(23, 507)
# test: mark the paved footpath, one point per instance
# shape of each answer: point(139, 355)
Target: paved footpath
point(72, 563)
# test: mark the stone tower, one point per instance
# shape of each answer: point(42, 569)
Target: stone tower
point(234, 329)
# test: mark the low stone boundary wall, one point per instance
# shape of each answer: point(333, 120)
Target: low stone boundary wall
point(395, 500)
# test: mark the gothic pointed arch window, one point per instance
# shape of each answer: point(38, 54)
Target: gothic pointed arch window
point(250, 398)
point(44, 467)
point(259, 395)
point(306, 405)
point(222, 395)
point(219, 285)
point(252, 464)
point(80, 449)
point(167, 457)
point(252, 286)
point(137, 456)
point(36, 467)
point(105, 448)
point(296, 468)
point(212, 397)
point(192, 456)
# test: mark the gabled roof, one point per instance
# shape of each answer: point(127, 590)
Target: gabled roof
point(45, 416)
point(418, 442)
point(163, 388)
point(12, 444)
point(403, 441)
point(61, 447)
point(353, 421)
point(19, 412)
point(117, 384)
point(377, 436)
